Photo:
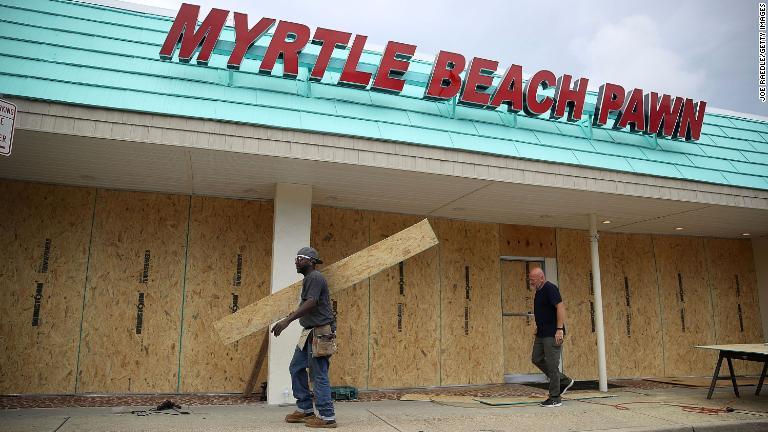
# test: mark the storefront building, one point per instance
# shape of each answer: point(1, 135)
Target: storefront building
point(145, 198)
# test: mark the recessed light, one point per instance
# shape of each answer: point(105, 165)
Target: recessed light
point(678, 228)
point(745, 234)
point(606, 221)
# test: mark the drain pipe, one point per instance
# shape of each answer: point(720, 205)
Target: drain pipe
point(597, 289)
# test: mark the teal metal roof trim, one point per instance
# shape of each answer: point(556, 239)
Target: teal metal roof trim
point(79, 53)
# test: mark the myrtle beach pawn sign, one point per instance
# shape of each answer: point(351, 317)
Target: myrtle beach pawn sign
point(7, 123)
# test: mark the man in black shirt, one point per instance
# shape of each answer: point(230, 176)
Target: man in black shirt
point(315, 314)
point(549, 311)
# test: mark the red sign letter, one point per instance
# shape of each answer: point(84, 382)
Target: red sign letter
point(632, 112)
point(573, 98)
point(444, 80)
point(329, 39)
point(244, 38)
point(281, 46)
point(691, 120)
point(183, 29)
point(531, 105)
point(479, 79)
point(661, 115)
point(395, 60)
point(510, 90)
point(350, 76)
point(609, 98)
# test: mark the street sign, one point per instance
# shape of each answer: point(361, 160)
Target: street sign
point(7, 124)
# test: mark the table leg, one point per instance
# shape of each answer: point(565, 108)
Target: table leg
point(733, 377)
point(762, 378)
point(715, 376)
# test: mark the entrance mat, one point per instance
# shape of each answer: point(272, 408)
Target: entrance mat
point(578, 385)
point(529, 400)
point(705, 381)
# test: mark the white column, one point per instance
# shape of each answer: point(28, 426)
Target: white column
point(760, 251)
point(293, 219)
point(597, 288)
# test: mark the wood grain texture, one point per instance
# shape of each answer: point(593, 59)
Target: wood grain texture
point(43, 243)
point(405, 336)
point(471, 328)
point(336, 234)
point(339, 275)
point(517, 297)
point(686, 305)
point(228, 266)
point(527, 241)
point(114, 357)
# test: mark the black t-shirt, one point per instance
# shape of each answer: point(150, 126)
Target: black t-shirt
point(315, 287)
point(544, 309)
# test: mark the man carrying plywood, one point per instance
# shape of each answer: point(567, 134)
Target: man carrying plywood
point(316, 344)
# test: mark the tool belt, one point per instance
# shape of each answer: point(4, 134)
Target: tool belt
point(323, 341)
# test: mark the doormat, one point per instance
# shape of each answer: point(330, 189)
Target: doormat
point(578, 385)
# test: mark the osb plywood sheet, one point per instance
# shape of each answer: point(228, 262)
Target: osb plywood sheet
point(527, 241)
point(686, 305)
point(337, 234)
point(736, 307)
point(137, 253)
point(228, 266)
point(471, 325)
point(517, 297)
point(43, 247)
point(405, 315)
point(573, 271)
point(632, 314)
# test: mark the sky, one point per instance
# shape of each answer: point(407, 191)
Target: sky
point(703, 50)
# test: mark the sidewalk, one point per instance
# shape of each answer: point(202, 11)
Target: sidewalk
point(670, 409)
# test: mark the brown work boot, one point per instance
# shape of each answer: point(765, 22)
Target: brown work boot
point(317, 422)
point(298, 417)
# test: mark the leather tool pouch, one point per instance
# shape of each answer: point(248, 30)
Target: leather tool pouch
point(323, 341)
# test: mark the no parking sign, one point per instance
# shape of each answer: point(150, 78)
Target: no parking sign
point(7, 123)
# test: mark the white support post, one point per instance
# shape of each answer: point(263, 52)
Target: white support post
point(292, 224)
point(596, 287)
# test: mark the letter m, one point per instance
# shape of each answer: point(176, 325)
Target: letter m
point(183, 31)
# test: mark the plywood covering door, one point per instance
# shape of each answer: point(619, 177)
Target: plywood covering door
point(735, 305)
point(132, 311)
point(405, 314)
point(471, 327)
point(575, 277)
point(631, 309)
point(43, 255)
point(686, 305)
point(228, 267)
point(517, 298)
point(336, 234)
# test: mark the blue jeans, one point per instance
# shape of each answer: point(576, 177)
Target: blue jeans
point(318, 366)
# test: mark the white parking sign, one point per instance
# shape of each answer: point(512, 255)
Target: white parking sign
point(7, 123)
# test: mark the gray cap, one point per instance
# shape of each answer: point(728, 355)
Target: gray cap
point(310, 252)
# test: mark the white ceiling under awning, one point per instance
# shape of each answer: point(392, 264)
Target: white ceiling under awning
point(74, 160)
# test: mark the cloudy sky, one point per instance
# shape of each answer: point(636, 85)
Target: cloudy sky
point(704, 50)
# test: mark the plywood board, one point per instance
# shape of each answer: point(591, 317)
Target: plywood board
point(631, 306)
point(405, 315)
point(339, 275)
point(734, 295)
point(43, 245)
point(573, 271)
point(336, 234)
point(517, 297)
point(527, 241)
point(686, 305)
point(138, 250)
point(228, 266)
point(471, 328)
